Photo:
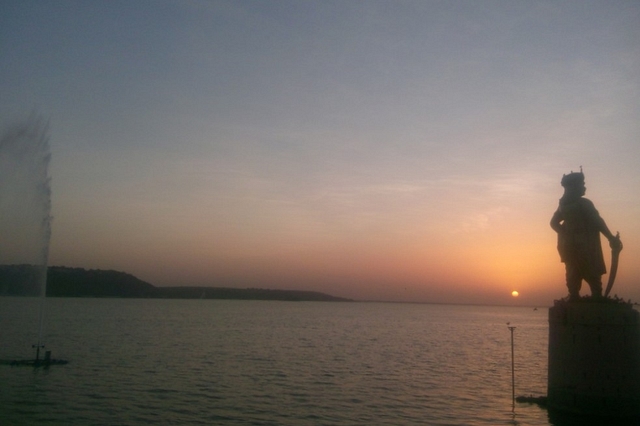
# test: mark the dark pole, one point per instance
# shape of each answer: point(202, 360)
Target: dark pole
point(513, 375)
point(38, 346)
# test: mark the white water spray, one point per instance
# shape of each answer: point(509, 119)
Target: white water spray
point(25, 208)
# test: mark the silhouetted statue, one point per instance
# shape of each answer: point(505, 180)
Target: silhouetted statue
point(579, 225)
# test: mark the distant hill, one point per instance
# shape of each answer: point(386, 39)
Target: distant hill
point(78, 282)
point(21, 280)
point(243, 294)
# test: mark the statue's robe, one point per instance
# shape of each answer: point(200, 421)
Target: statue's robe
point(579, 239)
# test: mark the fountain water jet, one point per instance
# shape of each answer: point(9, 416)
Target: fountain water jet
point(25, 213)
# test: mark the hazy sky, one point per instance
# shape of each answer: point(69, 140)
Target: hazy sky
point(378, 150)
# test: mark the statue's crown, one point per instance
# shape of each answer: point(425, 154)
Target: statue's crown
point(573, 178)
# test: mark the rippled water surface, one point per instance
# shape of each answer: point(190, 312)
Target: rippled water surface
point(188, 362)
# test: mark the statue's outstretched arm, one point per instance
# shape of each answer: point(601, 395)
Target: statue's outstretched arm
point(614, 240)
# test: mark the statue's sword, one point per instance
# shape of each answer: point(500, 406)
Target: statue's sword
point(615, 254)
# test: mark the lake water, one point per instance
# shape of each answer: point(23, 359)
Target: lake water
point(207, 362)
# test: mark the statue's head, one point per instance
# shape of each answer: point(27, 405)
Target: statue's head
point(573, 184)
point(573, 180)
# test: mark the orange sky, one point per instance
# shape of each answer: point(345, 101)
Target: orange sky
point(406, 153)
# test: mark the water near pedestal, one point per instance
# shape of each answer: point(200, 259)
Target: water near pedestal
point(231, 362)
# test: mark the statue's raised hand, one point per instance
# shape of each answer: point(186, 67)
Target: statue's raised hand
point(615, 242)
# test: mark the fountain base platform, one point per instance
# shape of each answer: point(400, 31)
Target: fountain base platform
point(36, 363)
point(33, 362)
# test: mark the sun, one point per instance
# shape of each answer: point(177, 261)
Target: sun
point(515, 293)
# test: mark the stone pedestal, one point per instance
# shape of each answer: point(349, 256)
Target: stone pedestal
point(594, 358)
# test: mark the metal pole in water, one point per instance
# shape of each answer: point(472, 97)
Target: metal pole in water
point(513, 375)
